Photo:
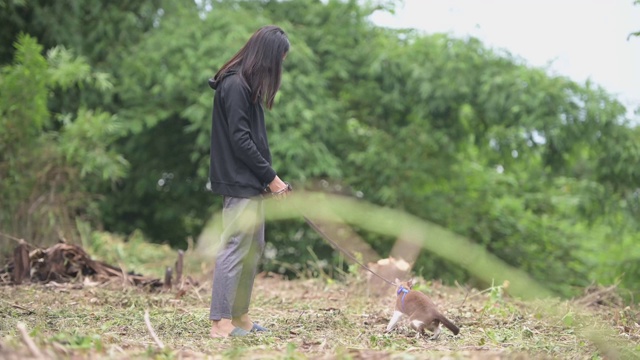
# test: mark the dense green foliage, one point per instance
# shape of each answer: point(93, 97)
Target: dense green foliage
point(48, 162)
point(540, 170)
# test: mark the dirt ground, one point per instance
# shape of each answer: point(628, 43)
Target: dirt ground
point(312, 318)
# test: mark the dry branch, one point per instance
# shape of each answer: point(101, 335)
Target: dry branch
point(63, 263)
point(167, 278)
point(125, 276)
point(29, 311)
point(595, 295)
point(28, 341)
point(21, 263)
point(151, 331)
point(10, 237)
point(179, 265)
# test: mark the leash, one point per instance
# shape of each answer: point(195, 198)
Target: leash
point(342, 250)
point(324, 235)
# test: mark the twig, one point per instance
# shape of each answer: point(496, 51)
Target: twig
point(197, 292)
point(29, 341)
point(21, 263)
point(299, 316)
point(179, 264)
point(167, 278)
point(59, 347)
point(10, 237)
point(125, 276)
point(5, 277)
point(151, 331)
point(199, 287)
point(18, 306)
point(466, 295)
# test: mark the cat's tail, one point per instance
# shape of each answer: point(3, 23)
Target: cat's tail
point(451, 326)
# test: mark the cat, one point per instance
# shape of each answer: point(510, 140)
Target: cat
point(422, 312)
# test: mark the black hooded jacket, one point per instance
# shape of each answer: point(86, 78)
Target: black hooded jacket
point(240, 156)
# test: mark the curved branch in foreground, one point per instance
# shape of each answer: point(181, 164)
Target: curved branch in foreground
point(151, 331)
point(22, 328)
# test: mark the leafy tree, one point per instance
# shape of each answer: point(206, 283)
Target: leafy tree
point(171, 108)
point(536, 168)
point(43, 172)
point(96, 29)
point(411, 121)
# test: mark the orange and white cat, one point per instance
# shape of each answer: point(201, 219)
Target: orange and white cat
point(422, 312)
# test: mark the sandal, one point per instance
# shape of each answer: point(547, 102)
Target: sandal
point(239, 332)
point(258, 328)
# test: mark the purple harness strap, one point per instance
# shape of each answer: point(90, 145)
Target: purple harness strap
point(405, 291)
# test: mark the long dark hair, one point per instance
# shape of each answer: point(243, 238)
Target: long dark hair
point(260, 63)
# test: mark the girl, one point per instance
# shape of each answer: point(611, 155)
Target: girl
point(241, 171)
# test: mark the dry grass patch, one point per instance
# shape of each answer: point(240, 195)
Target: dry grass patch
point(308, 318)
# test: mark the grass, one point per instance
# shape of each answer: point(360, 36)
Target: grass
point(308, 318)
point(315, 318)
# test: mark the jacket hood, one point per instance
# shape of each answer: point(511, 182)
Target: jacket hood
point(215, 81)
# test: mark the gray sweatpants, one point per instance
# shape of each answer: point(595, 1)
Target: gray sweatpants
point(237, 262)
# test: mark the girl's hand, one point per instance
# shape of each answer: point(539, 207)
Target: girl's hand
point(278, 188)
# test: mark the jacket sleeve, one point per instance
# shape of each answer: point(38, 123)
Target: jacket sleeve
point(238, 106)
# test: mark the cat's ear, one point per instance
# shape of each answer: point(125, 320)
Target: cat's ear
point(410, 283)
point(397, 281)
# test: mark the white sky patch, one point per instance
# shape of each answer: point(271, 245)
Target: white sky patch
point(581, 39)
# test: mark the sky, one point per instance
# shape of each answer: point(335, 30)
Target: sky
point(581, 39)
